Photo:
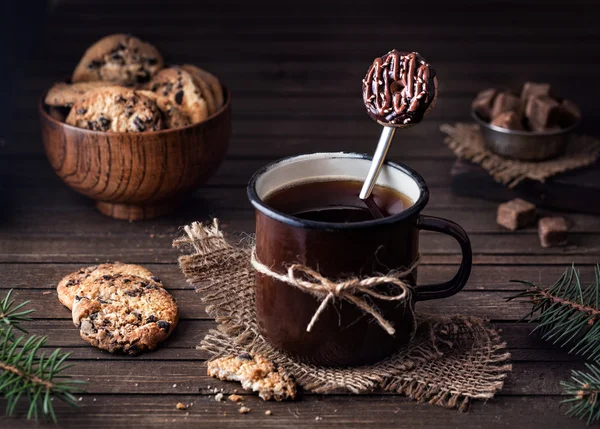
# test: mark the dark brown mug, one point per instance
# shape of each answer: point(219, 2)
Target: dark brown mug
point(343, 334)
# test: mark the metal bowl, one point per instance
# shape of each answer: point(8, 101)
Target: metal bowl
point(524, 145)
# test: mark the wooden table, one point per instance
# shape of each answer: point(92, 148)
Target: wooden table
point(295, 71)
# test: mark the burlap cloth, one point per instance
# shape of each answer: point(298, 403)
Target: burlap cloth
point(466, 142)
point(450, 361)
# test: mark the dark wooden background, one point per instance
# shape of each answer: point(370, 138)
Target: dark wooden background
point(295, 70)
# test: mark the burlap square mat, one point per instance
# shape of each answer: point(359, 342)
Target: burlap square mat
point(451, 360)
point(466, 142)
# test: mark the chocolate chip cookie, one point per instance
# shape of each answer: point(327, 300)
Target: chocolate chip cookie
point(178, 86)
point(215, 88)
point(254, 373)
point(67, 287)
point(124, 313)
point(173, 116)
point(116, 109)
point(119, 58)
point(65, 94)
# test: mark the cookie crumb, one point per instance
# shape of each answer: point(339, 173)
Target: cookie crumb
point(268, 413)
point(235, 398)
point(175, 385)
point(244, 410)
point(219, 397)
point(46, 292)
point(318, 418)
point(181, 406)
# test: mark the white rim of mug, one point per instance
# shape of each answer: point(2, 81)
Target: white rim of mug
point(294, 221)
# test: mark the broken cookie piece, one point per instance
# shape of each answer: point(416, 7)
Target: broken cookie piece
point(516, 214)
point(254, 373)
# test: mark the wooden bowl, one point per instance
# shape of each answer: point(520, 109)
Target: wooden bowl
point(137, 176)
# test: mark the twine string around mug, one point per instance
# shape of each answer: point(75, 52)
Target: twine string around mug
point(311, 281)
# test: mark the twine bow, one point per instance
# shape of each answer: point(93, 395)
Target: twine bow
point(311, 281)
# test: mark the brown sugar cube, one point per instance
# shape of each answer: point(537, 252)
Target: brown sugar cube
point(542, 112)
point(552, 231)
point(570, 107)
point(532, 89)
point(515, 214)
point(482, 104)
point(568, 113)
point(509, 120)
point(505, 101)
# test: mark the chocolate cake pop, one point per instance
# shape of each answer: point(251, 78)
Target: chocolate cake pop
point(399, 89)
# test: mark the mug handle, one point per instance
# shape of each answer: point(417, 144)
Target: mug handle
point(449, 288)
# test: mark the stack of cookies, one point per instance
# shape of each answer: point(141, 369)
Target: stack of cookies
point(121, 85)
point(119, 307)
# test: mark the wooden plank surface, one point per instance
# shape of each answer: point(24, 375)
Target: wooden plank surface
point(295, 74)
point(124, 411)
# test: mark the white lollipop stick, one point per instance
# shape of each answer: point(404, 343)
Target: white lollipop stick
point(381, 151)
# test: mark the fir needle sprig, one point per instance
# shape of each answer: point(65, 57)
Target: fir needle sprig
point(566, 313)
point(584, 388)
point(26, 372)
point(11, 315)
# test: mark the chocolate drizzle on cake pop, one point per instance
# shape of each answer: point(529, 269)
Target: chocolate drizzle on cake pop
point(399, 88)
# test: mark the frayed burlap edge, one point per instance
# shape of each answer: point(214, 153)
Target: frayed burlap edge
point(466, 142)
point(451, 360)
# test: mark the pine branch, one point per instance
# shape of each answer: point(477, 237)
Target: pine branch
point(11, 315)
point(566, 313)
point(28, 373)
point(584, 388)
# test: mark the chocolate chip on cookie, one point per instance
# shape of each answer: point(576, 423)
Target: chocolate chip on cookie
point(116, 109)
point(119, 58)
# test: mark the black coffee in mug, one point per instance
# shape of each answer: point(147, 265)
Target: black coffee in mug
point(337, 201)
